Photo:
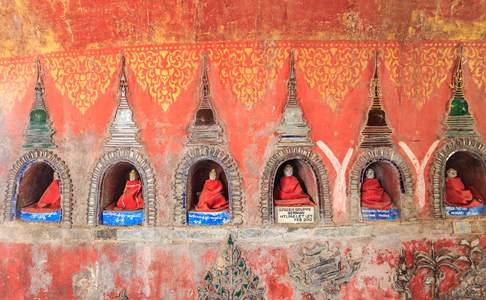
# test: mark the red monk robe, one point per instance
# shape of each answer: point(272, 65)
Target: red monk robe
point(458, 195)
point(132, 198)
point(290, 193)
point(211, 197)
point(374, 196)
point(49, 201)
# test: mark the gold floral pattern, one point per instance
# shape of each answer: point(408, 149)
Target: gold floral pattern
point(424, 69)
point(82, 78)
point(476, 60)
point(15, 76)
point(248, 70)
point(164, 72)
point(391, 58)
point(333, 70)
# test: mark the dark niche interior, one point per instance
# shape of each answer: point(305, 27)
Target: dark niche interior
point(113, 183)
point(198, 174)
point(205, 117)
point(471, 169)
point(304, 174)
point(33, 184)
point(388, 174)
point(376, 117)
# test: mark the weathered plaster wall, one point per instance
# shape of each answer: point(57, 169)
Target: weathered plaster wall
point(79, 44)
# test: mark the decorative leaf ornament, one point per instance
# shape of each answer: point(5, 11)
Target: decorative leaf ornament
point(231, 278)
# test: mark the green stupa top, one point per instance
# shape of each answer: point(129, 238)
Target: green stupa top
point(459, 105)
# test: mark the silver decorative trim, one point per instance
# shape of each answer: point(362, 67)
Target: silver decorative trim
point(451, 146)
point(293, 129)
point(138, 160)
point(407, 208)
point(224, 159)
point(320, 271)
point(123, 130)
point(58, 165)
point(268, 181)
point(376, 135)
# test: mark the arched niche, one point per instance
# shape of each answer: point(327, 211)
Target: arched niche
point(304, 174)
point(198, 173)
point(33, 183)
point(109, 178)
point(308, 169)
point(468, 157)
point(394, 175)
point(29, 178)
point(191, 174)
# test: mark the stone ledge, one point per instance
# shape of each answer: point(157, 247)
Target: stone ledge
point(20, 232)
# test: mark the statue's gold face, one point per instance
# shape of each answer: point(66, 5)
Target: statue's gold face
point(288, 170)
point(370, 173)
point(133, 175)
point(212, 174)
point(451, 173)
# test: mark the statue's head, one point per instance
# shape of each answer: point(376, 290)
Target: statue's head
point(133, 175)
point(288, 170)
point(55, 175)
point(451, 173)
point(212, 174)
point(370, 173)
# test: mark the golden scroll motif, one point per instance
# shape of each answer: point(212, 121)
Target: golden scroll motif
point(424, 69)
point(391, 59)
point(248, 71)
point(82, 78)
point(333, 71)
point(15, 76)
point(476, 60)
point(164, 72)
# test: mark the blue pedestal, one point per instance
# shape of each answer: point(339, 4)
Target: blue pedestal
point(456, 211)
point(122, 218)
point(54, 216)
point(378, 214)
point(208, 218)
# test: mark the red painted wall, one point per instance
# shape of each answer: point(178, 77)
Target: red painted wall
point(79, 44)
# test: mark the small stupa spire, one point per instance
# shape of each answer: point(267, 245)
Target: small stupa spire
point(292, 82)
point(38, 133)
point(39, 87)
point(123, 130)
point(375, 89)
point(293, 129)
point(459, 122)
point(204, 90)
point(376, 132)
point(205, 128)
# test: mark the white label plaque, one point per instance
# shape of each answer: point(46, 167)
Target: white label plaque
point(294, 214)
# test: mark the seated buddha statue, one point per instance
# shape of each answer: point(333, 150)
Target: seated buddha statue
point(50, 199)
point(457, 194)
point(132, 197)
point(211, 198)
point(289, 192)
point(372, 193)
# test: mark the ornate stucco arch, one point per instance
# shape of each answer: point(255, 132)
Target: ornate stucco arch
point(268, 181)
point(17, 171)
point(368, 157)
point(452, 146)
point(138, 160)
point(230, 167)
